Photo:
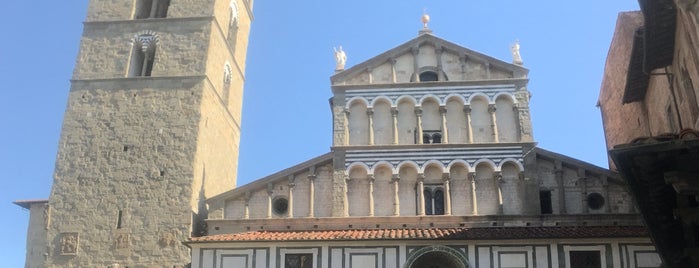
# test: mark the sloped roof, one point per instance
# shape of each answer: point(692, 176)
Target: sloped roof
point(262, 183)
point(487, 233)
point(27, 204)
point(427, 38)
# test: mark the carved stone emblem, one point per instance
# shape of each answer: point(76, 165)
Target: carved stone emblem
point(167, 239)
point(69, 243)
point(122, 241)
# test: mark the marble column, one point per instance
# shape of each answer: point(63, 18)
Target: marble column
point(153, 9)
point(246, 213)
point(418, 113)
point(394, 115)
point(370, 114)
point(371, 195)
point(491, 109)
point(270, 191)
point(474, 197)
point(311, 194)
point(447, 195)
point(290, 209)
point(345, 196)
point(499, 181)
point(421, 195)
point(396, 197)
point(445, 131)
point(393, 70)
point(467, 110)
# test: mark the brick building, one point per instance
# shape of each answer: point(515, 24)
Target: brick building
point(649, 108)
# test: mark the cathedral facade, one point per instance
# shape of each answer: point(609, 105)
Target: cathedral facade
point(433, 164)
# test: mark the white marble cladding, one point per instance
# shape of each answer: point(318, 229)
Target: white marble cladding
point(446, 156)
point(441, 92)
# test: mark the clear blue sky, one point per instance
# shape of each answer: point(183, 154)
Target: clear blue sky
point(286, 116)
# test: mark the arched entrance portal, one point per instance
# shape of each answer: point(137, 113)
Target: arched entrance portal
point(436, 257)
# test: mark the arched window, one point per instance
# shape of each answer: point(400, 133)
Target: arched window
point(147, 9)
point(438, 202)
point(428, 201)
point(233, 26)
point(428, 76)
point(143, 54)
point(434, 199)
point(426, 138)
point(227, 78)
point(436, 138)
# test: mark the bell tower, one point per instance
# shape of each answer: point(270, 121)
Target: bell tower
point(152, 128)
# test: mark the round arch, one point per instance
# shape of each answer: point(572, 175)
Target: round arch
point(382, 98)
point(358, 165)
point(511, 161)
point(479, 96)
point(381, 164)
point(429, 97)
point(506, 96)
point(486, 162)
point(459, 162)
point(438, 256)
point(456, 97)
point(351, 102)
point(434, 163)
point(407, 98)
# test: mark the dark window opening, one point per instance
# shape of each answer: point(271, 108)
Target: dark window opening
point(434, 200)
point(428, 76)
point(280, 206)
point(436, 138)
point(438, 202)
point(118, 226)
point(426, 138)
point(298, 260)
point(152, 9)
point(545, 202)
point(428, 202)
point(585, 259)
point(142, 61)
point(595, 201)
point(431, 136)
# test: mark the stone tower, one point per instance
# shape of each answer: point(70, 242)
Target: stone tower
point(152, 128)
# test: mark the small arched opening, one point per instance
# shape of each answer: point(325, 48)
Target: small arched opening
point(429, 76)
point(436, 257)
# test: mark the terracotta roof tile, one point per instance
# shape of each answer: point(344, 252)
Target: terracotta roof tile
point(431, 233)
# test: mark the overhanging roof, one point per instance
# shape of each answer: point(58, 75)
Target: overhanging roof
point(27, 204)
point(489, 233)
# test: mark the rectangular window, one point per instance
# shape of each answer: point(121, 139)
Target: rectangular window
point(298, 260)
point(585, 259)
point(152, 9)
point(545, 201)
point(141, 62)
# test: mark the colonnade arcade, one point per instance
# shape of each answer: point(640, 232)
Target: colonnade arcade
point(434, 189)
point(478, 119)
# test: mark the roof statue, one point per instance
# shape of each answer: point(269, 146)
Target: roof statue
point(425, 19)
point(340, 59)
point(516, 57)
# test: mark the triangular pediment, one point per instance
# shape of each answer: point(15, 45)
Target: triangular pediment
point(428, 53)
